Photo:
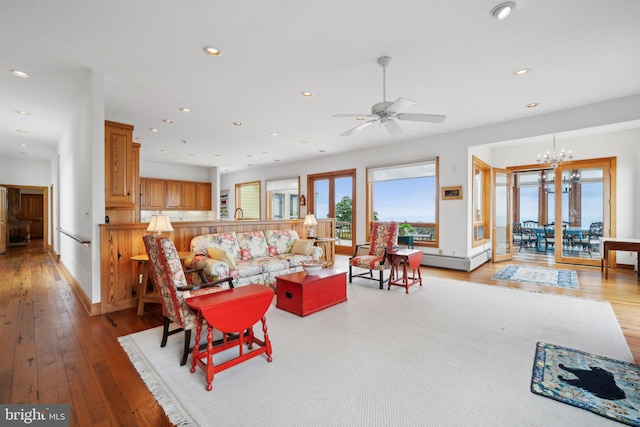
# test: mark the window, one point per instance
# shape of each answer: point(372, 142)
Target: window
point(392, 189)
point(480, 194)
point(282, 199)
point(248, 199)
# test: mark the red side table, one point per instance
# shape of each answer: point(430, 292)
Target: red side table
point(405, 259)
point(231, 311)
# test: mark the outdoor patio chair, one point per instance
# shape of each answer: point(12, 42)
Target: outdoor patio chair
point(166, 271)
point(384, 235)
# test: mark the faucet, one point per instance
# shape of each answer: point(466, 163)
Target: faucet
point(235, 215)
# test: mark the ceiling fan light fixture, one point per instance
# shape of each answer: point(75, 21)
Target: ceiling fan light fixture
point(503, 10)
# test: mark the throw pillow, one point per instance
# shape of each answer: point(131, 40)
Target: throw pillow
point(221, 255)
point(302, 247)
point(245, 254)
point(273, 251)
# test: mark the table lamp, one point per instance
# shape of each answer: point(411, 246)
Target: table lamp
point(159, 223)
point(310, 221)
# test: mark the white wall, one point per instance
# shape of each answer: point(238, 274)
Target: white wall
point(12, 172)
point(79, 186)
point(455, 150)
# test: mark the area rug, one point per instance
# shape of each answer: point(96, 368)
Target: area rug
point(598, 384)
point(538, 275)
point(450, 353)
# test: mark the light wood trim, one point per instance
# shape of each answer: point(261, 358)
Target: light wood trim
point(119, 279)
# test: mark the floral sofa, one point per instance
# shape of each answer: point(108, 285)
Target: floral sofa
point(251, 257)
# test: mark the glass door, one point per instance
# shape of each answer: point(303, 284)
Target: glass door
point(583, 203)
point(502, 220)
point(333, 197)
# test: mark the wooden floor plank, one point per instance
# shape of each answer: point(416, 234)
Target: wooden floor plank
point(63, 355)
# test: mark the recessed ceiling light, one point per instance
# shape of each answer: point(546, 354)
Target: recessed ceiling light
point(276, 160)
point(191, 155)
point(306, 93)
point(521, 72)
point(23, 153)
point(216, 155)
point(503, 10)
point(250, 166)
point(19, 73)
point(274, 133)
point(304, 141)
point(322, 151)
point(237, 123)
point(533, 105)
point(184, 141)
point(23, 145)
point(212, 51)
point(153, 130)
point(22, 131)
point(139, 138)
point(249, 155)
point(22, 113)
point(163, 151)
point(168, 121)
point(185, 109)
point(177, 160)
point(359, 118)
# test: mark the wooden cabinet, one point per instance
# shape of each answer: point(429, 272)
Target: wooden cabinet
point(173, 195)
point(152, 194)
point(159, 194)
point(122, 174)
point(119, 166)
point(203, 200)
point(189, 196)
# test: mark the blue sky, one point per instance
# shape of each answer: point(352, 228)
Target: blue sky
point(411, 200)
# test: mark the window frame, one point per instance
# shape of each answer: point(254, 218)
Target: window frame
point(480, 226)
point(246, 215)
point(370, 200)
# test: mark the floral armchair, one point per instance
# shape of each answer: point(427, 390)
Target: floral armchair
point(169, 277)
point(383, 235)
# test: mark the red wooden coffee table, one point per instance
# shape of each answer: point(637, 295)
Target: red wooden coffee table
point(231, 311)
point(303, 294)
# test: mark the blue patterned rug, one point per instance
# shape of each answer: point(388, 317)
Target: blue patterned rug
point(539, 276)
point(607, 387)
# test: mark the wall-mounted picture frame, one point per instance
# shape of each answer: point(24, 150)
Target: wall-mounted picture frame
point(451, 193)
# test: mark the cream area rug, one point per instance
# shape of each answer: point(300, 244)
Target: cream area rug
point(448, 354)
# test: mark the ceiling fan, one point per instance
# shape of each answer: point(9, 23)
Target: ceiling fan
point(387, 112)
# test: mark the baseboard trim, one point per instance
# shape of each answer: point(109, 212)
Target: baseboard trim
point(92, 309)
point(456, 263)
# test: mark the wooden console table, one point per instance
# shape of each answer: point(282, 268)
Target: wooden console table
point(616, 244)
point(401, 260)
point(230, 311)
point(146, 290)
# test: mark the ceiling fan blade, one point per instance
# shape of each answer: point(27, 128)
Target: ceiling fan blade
point(357, 128)
point(399, 105)
point(354, 115)
point(393, 128)
point(429, 118)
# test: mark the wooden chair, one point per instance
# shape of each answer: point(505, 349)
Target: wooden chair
point(167, 273)
point(383, 235)
point(591, 241)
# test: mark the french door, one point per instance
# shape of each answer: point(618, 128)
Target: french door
point(582, 203)
point(332, 195)
point(502, 217)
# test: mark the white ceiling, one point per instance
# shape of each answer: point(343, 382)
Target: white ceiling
point(451, 57)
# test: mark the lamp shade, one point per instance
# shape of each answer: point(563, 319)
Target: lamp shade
point(159, 223)
point(310, 220)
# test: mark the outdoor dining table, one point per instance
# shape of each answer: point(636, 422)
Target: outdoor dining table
point(539, 232)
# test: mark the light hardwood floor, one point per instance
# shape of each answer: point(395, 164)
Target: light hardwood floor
point(53, 352)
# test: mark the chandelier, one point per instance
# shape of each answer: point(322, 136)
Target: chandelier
point(552, 158)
